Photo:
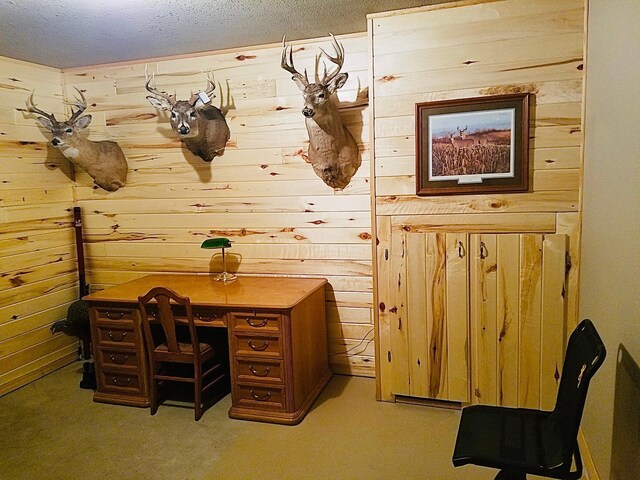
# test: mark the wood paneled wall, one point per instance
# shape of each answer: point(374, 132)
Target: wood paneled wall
point(281, 218)
point(469, 49)
point(38, 271)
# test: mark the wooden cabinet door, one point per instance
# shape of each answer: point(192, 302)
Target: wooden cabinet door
point(517, 318)
point(427, 315)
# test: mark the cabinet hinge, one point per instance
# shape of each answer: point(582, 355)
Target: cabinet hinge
point(389, 356)
point(386, 254)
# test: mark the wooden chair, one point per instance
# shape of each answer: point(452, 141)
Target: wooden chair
point(519, 441)
point(175, 346)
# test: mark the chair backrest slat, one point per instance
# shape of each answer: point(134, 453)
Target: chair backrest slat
point(164, 298)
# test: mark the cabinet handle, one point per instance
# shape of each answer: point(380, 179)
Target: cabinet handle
point(261, 398)
point(461, 252)
point(117, 339)
point(114, 315)
point(117, 381)
point(263, 373)
point(260, 348)
point(207, 319)
point(484, 253)
point(119, 359)
point(256, 324)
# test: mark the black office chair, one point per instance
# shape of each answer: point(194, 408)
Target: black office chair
point(519, 441)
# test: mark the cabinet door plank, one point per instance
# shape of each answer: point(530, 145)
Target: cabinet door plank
point(553, 315)
point(508, 318)
point(398, 322)
point(417, 300)
point(530, 320)
point(436, 314)
point(457, 308)
point(483, 318)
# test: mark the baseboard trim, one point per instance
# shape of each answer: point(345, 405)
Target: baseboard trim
point(587, 459)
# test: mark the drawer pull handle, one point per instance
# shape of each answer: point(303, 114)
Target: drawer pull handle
point(121, 383)
point(114, 315)
point(259, 348)
point(261, 398)
point(207, 319)
point(116, 338)
point(263, 373)
point(119, 359)
point(257, 324)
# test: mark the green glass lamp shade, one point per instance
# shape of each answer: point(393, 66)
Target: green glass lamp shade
point(220, 242)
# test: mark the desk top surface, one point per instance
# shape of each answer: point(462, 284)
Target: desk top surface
point(203, 290)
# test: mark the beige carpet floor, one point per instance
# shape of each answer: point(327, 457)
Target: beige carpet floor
point(51, 429)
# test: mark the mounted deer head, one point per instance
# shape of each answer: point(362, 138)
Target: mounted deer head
point(200, 125)
point(103, 160)
point(333, 152)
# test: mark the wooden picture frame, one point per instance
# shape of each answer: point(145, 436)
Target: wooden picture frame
point(473, 145)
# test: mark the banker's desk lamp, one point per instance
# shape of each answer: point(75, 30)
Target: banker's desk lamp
point(222, 243)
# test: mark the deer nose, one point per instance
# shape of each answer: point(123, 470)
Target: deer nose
point(308, 112)
point(183, 130)
point(55, 141)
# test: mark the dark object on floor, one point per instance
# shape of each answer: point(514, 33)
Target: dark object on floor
point(519, 441)
point(77, 322)
point(175, 353)
point(88, 376)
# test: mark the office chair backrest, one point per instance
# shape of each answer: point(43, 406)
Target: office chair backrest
point(585, 353)
point(163, 297)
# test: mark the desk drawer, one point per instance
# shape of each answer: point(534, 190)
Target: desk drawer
point(110, 358)
point(112, 313)
point(266, 346)
point(255, 322)
point(113, 333)
point(202, 316)
point(209, 317)
point(253, 370)
point(262, 397)
point(123, 382)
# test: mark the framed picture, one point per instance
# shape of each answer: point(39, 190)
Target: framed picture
point(473, 145)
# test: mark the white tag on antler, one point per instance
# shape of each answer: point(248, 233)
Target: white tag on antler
point(204, 97)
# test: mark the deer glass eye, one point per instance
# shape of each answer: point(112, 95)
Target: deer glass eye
point(193, 114)
point(321, 95)
point(173, 115)
point(69, 130)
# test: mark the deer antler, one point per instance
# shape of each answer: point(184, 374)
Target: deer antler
point(287, 63)
point(80, 104)
point(158, 93)
point(211, 86)
point(338, 60)
point(31, 107)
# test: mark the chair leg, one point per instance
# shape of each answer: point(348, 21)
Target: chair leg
point(153, 394)
point(197, 394)
point(506, 475)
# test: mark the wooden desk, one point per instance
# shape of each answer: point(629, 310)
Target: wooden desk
point(276, 329)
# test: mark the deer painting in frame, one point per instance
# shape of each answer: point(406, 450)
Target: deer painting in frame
point(200, 125)
point(333, 152)
point(102, 160)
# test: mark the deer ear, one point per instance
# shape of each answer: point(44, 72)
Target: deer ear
point(46, 123)
point(337, 82)
point(300, 83)
point(160, 103)
point(82, 122)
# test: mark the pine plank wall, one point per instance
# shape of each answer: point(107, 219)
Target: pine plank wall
point(262, 194)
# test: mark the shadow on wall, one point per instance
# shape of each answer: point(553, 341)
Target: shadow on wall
point(625, 444)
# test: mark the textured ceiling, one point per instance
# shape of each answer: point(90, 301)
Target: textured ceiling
point(71, 33)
